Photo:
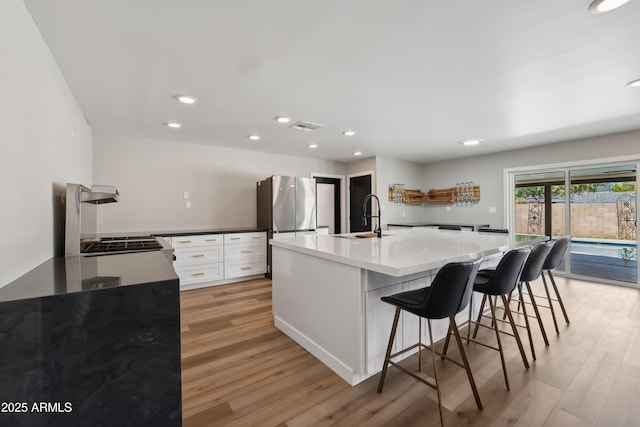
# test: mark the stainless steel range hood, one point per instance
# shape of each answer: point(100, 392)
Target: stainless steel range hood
point(101, 194)
point(81, 220)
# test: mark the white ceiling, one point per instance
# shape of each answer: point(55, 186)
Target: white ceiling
point(412, 77)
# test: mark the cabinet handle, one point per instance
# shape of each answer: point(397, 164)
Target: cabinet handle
point(257, 237)
point(197, 274)
point(245, 268)
point(235, 238)
point(184, 241)
point(212, 240)
point(245, 252)
point(197, 256)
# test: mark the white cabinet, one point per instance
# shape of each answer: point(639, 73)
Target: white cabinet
point(379, 319)
point(199, 258)
point(245, 254)
point(216, 259)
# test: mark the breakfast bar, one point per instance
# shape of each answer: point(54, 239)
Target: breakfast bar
point(327, 289)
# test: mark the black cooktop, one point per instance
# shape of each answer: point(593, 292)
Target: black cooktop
point(120, 244)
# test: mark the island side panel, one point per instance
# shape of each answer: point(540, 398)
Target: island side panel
point(319, 304)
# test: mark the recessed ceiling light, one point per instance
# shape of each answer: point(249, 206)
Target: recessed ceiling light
point(471, 142)
point(602, 6)
point(174, 125)
point(254, 137)
point(349, 132)
point(283, 119)
point(186, 99)
point(635, 83)
point(312, 145)
point(357, 153)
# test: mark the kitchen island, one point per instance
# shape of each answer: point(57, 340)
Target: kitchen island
point(327, 289)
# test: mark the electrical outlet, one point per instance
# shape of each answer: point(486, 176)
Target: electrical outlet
point(188, 204)
point(492, 209)
point(185, 195)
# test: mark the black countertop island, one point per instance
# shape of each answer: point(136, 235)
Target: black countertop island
point(92, 341)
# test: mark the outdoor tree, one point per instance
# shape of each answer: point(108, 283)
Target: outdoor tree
point(537, 192)
point(623, 187)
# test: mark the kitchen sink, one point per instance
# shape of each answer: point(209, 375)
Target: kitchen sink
point(359, 236)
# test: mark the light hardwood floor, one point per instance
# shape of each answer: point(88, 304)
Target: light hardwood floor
point(239, 370)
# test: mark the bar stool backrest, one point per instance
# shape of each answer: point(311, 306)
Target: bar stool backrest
point(533, 267)
point(507, 274)
point(557, 253)
point(450, 290)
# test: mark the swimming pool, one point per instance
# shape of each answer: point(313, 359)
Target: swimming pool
point(613, 250)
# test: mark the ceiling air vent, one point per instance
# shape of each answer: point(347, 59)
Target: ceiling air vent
point(305, 126)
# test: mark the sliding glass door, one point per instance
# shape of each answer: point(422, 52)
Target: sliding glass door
point(596, 205)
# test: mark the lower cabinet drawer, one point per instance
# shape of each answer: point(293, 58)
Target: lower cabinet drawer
point(190, 274)
point(199, 255)
point(244, 251)
point(245, 269)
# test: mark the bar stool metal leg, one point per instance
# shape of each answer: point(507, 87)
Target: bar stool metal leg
point(553, 313)
point(526, 320)
point(555, 288)
point(515, 333)
point(387, 356)
point(475, 330)
point(537, 312)
point(465, 361)
point(435, 372)
point(495, 328)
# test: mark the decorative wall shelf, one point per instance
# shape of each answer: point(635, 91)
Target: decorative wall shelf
point(454, 195)
point(399, 194)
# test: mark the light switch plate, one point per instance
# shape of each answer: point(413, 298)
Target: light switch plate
point(185, 195)
point(188, 204)
point(492, 209)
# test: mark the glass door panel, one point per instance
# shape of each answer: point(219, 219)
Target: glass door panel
point(540, 204)
point(603, 217)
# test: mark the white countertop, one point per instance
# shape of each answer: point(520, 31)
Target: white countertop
point(403, 252)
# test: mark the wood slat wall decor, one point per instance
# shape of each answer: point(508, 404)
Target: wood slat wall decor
point(399, 194)
point(239, 370)
point(449, 195)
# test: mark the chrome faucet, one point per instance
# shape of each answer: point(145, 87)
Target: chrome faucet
point(378, 230)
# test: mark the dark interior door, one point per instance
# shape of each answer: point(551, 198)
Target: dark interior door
point(335, 182)
point(359, 188)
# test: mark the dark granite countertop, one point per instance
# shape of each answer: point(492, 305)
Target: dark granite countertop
point(227, 230)
point(435, 224)
point(66, 275)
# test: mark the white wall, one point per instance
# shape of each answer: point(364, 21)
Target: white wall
point(392, 171)
point(152, 175)
point(487, 171)
point(39, 153)
point(326, 206)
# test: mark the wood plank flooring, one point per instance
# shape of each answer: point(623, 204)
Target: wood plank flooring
point(239, 370)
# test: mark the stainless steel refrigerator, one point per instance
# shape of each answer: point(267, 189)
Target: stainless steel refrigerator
point(286, 204)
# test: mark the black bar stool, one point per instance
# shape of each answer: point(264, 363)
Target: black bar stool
point(448, 295)
point(530, 272)
point(499, 283)
point(551, 263)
